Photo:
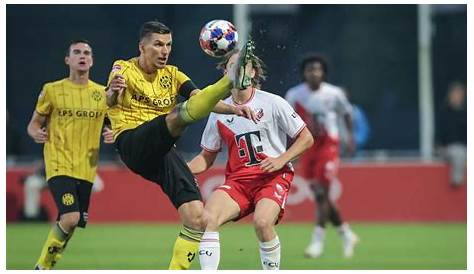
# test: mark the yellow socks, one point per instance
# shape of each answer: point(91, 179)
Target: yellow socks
point(185, 248)
point(53, 247)
point(202, 103)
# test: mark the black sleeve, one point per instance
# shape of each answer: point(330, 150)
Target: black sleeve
point(107, 121)
point(186, 88)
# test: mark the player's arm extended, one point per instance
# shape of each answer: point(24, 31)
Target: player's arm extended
point(301, 143)
point(243, 111)
point(202, 162)
point(36, 128)
point(223, 108)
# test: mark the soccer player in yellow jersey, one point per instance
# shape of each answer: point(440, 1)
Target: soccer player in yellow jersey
point(68, 120)
point(147, 121)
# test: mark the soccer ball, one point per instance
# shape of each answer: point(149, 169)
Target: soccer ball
point(218, 37)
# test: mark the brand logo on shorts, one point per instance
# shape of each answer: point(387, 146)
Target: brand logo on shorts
point(279, 189)
point(68, 199)
point(191, 256)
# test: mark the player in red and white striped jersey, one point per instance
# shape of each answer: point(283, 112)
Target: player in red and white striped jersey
point(321, 104)
point(258, 173)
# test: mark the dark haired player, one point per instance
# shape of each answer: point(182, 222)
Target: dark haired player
point(320, 104)
point(258, 171)
point(68, 120)
point(147, 121)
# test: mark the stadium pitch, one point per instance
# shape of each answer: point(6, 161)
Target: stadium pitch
point(148, 246)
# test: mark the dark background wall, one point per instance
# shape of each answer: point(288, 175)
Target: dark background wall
point(371, 49)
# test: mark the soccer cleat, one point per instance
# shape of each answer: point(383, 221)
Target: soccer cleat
point(349, 241)
point(49, 258)
point(316, 247)
point(314, 250)
point(242, 79)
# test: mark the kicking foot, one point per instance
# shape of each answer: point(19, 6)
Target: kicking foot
point(243, 79)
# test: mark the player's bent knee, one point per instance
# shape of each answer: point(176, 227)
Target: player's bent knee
point(262, 224)
point(70, 220)
point(193, 215)
point(197, 222)
point(174, 123)
point(212, 221)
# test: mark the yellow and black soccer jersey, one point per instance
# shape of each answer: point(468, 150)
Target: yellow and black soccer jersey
point(74, 124)
point(147, 95)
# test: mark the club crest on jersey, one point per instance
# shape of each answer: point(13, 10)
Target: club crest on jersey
point(96, 95)
point(68, 199)
point(259, 113)
point(165, 81)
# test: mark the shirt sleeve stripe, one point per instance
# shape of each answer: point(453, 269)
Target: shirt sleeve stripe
point(298, 132)
point(210, 150)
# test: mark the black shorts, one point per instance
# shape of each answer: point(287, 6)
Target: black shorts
point(148, 150)
point(71, 195)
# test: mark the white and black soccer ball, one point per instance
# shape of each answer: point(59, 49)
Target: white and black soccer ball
point(218, 37)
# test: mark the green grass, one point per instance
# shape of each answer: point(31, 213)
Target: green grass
point(148, 246)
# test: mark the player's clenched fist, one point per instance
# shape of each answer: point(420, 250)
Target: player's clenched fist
point(108, 135)
point(117, 84)
point(246, 112)
point(40, 136)
point(271, 164)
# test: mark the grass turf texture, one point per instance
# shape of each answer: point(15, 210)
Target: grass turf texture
point(148, 246)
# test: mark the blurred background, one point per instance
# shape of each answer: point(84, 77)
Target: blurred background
point(397, 63)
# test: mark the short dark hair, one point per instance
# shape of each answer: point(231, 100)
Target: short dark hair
point(77, 41)
point(456, 85)
point(153, 27)
point(257, 64)
point(314, 58)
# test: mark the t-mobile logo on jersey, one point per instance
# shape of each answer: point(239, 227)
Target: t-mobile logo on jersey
point(244, 143)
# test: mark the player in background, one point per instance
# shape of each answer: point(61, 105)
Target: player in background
point(146, 121)
point(320, 104)
point(258, 173)
point(35, 183)
point(68, 120)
